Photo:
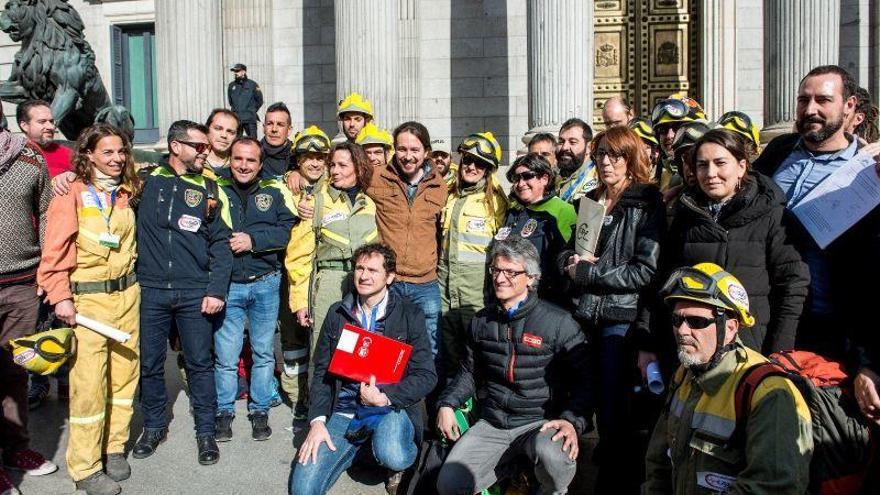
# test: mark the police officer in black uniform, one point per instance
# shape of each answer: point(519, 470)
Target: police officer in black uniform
point(245, 99)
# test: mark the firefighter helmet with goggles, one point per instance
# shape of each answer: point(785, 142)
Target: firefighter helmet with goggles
point(43, 353)
point(677, 109)
point(372, 134)
point(311, 140)
point(644, 129)
point(741, 124)
point(355, 103)
point(709, 284)
point(482, 146)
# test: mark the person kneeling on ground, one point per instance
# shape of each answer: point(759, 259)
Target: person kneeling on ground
point(697, 445)
point(343, 413)
point(535, 386)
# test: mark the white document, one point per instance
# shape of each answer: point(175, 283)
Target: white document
point(841, 200)
point(102, 328)
point(589, 225)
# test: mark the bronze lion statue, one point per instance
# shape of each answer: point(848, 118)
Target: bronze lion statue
point(55, 63)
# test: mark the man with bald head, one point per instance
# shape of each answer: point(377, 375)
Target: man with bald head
point(616, 111)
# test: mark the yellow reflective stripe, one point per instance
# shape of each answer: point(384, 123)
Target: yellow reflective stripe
point(477, 239)
point(225, 214)
point(120, 402)
point(371, 236)
point(76, 420)
point(470, 257)
point(335, 237)
point(196, 180)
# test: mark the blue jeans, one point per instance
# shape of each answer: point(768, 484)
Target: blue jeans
point(257, 302)
point(427, 297)
point(393, 445)
point(159, 307)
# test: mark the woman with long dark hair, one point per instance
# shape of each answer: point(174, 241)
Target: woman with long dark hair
point(87, 267)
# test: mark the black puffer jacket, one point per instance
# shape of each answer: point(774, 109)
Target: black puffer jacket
point(750, 241)
point(628, 252)
point(530, 366)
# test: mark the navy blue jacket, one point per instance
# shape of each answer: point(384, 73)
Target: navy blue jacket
point(245, 98)
point(178, 248)
point(403, 321)
point(267, 217)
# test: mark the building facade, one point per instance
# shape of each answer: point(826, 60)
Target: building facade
point(461, 66)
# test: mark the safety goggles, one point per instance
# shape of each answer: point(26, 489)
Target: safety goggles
point(644, 130)
point(314, 144)
point(741, 123)
point(42, 345)
point(676, 109)
point(693, 322)
point(479, 147)
point(694, 284)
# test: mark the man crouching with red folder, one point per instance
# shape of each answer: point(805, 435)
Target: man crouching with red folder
point(347, 415)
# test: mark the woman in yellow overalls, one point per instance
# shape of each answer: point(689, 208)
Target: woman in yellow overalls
point(87, 268)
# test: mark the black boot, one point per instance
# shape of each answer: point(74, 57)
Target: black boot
point(223, 426)
point(147, 443)
point(209, 453)
point(260, 426)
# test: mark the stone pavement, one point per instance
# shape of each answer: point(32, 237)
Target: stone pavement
point(246, 467)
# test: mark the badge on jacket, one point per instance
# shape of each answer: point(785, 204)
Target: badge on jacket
point(502, 234)
point(476, 225)
point(716, 482)
point(529, 228)
point(192, 197)
point(263, 201)
point(532, 340)
point(189, 223)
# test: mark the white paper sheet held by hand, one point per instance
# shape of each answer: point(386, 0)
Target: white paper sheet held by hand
point(841, 200)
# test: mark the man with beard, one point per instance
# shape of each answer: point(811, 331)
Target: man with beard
point(223, 128)
point(354, 113)
point(184, 266)
point(696, 446)
point(245, 99)
point(832, 323)
point(577, 173)
point(276, 146)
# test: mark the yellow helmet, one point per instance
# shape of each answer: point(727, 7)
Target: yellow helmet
point(311, 140)
point(482, 146)
point(741, 124)
point(708, 283)
point(677, 109)
point(644, 129)
point(355, 103)
point(43, 353)
point(371, 134)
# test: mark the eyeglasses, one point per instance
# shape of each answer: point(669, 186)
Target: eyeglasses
point(693, 322)
point(508, 274)
point(469, 160)
point(600, 154)
point(199, 147)
point(524, 176)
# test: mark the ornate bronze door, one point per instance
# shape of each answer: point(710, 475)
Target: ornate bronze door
point(644, 51)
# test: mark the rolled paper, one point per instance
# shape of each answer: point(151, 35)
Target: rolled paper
point(102, 328)
point(655, 379)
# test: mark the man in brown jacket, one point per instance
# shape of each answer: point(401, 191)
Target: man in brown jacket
point(409, 197)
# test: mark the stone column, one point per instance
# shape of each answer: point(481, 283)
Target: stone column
point(247, 38)
point(718, 49)
point(189, 41)
point(560, 34)
point(409, 49)
point(799, 35)
point(367, 58)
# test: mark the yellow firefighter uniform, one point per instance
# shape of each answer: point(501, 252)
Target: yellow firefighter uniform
point(89, 256)
point(319, 254)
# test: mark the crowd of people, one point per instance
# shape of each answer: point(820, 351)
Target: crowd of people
point(702, 269)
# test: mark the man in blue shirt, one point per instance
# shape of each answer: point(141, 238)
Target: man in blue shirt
point(833, 321)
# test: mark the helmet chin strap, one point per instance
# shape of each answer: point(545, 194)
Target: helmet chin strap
point(720, 347)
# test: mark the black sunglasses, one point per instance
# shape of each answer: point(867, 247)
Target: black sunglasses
point(525, 176)
point(694, 322)
point(469, 160)
point(199, 147)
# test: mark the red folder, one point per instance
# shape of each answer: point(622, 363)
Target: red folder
point(360, 354)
